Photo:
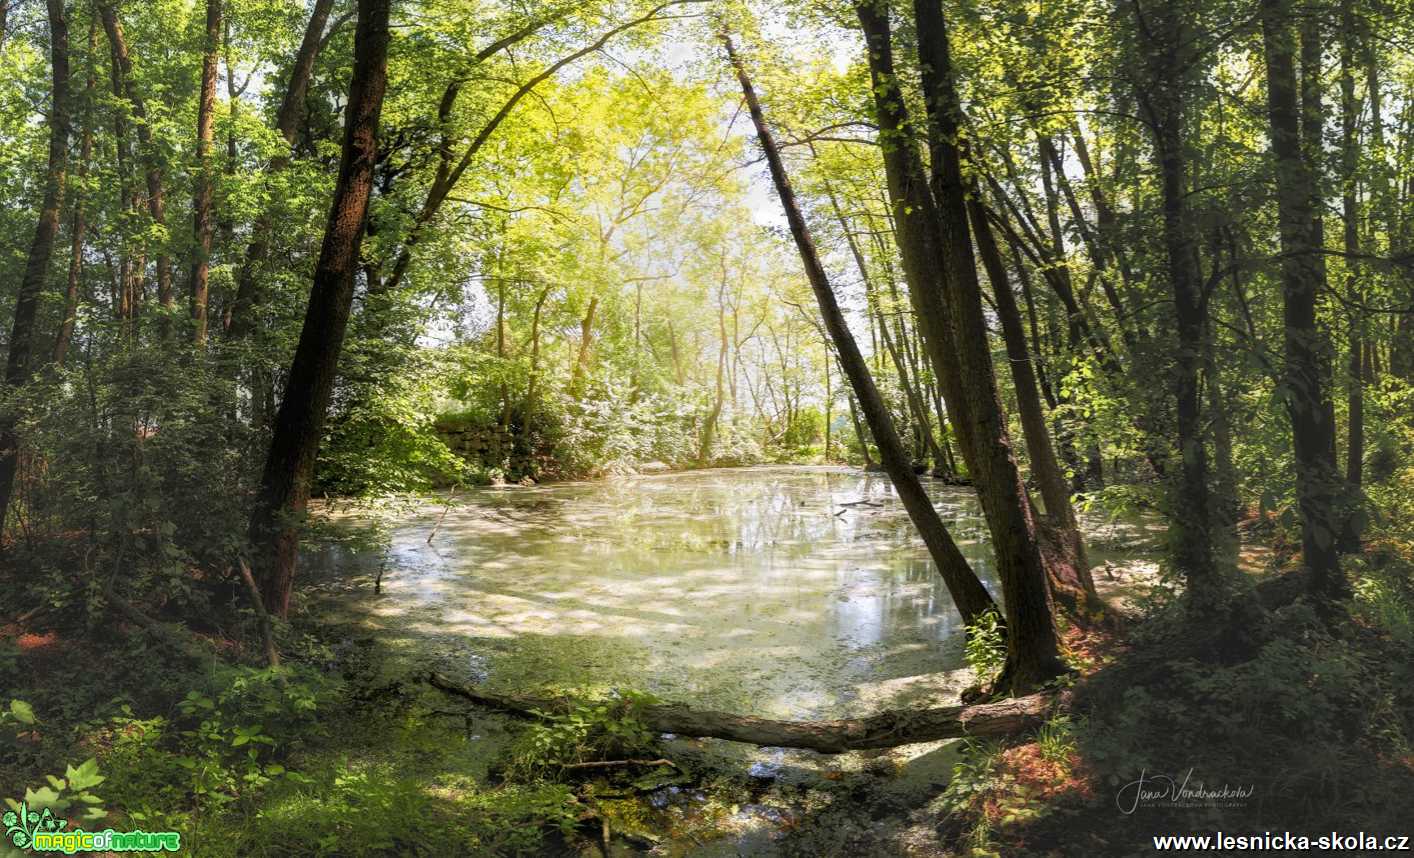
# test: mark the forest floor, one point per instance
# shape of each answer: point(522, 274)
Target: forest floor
point(345, 753)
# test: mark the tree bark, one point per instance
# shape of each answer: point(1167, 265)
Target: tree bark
point(299, 424)
point(1033, 650)
point(1161, 98)
point(1352, 515)
point(201, 198)
point(41, 248)
point(968, 594)
point(709, 426)
point(911, 392)
point(152, 164)
point(888, 729)
point(78, 223)
point(1302, 277)
point(586, 341)
point(1070, 581)
point(242, 320)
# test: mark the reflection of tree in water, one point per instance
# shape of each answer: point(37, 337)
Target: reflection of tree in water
point(757, 590)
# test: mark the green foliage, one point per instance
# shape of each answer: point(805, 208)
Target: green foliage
point(227, 743)
point(1056, 739)
point(985, 647)
point(383, 439)
point(974, 777)
point(593, 730)
point(59, 798)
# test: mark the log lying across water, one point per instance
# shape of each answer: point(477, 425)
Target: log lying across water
point(885, 730)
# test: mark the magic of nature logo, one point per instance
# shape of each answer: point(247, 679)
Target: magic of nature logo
point(40, 830)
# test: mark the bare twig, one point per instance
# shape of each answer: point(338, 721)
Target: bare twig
point(450, 498)
point(272, 655)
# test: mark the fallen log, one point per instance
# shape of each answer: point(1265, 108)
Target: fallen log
point(885, 730)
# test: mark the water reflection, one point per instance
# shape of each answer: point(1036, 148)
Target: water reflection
point(766, 590)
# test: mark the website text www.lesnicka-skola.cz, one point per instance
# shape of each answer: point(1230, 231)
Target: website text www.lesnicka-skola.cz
point(1284, 841)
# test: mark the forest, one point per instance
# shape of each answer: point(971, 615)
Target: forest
point(706, 427)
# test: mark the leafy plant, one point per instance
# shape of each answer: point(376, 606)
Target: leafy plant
point(597, 730)
point(985, 647)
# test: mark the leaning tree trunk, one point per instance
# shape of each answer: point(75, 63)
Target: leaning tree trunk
point(1302, 277)
point(299, 424)
point(1069, 575)
point(201, 198)
point(885, 730)
point(41, 248)
point(967, 592)
point(1033, 650)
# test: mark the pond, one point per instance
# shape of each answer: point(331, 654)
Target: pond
point(792, 591)
point(789, 592)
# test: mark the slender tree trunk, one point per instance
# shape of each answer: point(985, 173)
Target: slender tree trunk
point(299, 424)
point(41, 248)
point(829, 403)
point(152, 163)
point(286, 125)
point(1033, 650)
point(1302, 277)
point(859, 433)
point(130, 264)
point(1160, 96)
point(1352, 516)
point(586, 339)
point(1225, 487)
point(968, 594)
point(201, 198)
point(709, 426)
point(527, 419)
point(1071, 582)
point(910, 391)
point(78, 224)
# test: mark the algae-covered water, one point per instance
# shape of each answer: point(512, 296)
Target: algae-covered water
point(792, 592)
point(784, 591)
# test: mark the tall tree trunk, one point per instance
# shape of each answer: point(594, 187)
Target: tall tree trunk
point(152, 163)
point(1225, 487)
point(527, 417)
point(286, 125)
point(130, 261)
point(78, 224)
point(1352, 516)
point(968, 594)
point(201, 198)
point(1302, 277)
point(859, 433)
point(1160, 95)
point(299, 424)
point(1071, 582)
point(41, 248)
point(1033, 651)
point(829, 403)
